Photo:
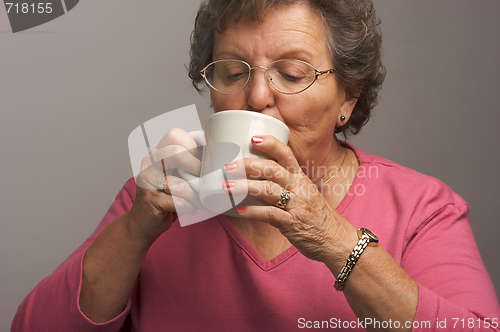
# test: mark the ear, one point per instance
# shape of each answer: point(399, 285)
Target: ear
point(347, 106)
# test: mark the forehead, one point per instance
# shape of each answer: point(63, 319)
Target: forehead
point(285, 30)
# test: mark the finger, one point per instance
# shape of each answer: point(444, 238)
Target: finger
point(153, 178)
point(150, 177)
point(183, 206)
point(269, 214)
point(279, 151)
point(180, 189)
point(151, 200)
point(177, 136)
point(176, 196)
point(172, 157)
point(260, 169)
point(155, 205)
point(269, 192)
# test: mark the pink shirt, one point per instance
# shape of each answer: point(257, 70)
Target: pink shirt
point(207, 277)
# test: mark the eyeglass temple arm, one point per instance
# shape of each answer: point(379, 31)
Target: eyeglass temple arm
point(329, 71)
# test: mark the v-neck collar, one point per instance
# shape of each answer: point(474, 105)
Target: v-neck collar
point(256, 257)
point(250, 250)
point(356, 183)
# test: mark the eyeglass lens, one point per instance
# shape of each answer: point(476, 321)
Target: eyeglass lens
point(288, 76)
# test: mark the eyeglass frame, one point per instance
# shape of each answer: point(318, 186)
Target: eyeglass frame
point(269, 78)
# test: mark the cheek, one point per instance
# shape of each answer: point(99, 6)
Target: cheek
point(298, 110)
point(221, 102)
point(216, 101)
point(312, 113)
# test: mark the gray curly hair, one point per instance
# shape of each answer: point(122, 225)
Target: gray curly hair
point(353, 36)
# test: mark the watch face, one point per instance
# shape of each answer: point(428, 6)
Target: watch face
point(373, 237)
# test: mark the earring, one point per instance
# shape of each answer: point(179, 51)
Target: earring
point(342, 118)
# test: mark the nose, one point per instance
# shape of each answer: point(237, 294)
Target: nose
point(260, 93)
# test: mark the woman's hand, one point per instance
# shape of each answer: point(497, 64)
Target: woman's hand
point(113, 262)
point(316, 229)
point(155, 210)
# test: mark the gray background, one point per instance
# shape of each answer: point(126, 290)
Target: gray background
point(73, 89)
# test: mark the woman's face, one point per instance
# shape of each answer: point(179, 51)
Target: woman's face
point(288, 32)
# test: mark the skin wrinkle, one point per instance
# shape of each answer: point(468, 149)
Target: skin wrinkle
point(339, 22)
point(305, 38)
point(303, 225)
point(310, 115)
point(232, 51)
point(302, 46)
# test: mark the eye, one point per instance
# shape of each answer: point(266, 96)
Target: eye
point(234, 74)
point(291, 72)
point(291, 77)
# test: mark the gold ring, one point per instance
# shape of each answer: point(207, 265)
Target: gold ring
point(284, 198)
point(162, 185)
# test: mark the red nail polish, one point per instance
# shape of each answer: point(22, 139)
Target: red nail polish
point(257, 139)
point(241, 209)
point(228, 184)
point(230, 167)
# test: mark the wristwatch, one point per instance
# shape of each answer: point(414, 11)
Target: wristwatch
point(366, 238)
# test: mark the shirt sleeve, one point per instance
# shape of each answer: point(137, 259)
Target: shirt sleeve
point(455, 290)
point(53, 305)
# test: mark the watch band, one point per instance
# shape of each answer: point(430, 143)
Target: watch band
point(366, 238)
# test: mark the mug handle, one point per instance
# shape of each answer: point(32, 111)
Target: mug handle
point(194, 181)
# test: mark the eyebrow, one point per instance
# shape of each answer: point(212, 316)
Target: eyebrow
point(299, 54)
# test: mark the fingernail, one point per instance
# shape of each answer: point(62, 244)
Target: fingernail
point(257, 139)
point(228, 184)
point(241, 210)
point(230, 167)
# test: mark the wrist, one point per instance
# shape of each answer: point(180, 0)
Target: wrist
point(365, 238)
point(135, 232)
point(342, 241)
point(343, 249)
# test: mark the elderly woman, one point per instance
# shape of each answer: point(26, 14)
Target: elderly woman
point(311, 261)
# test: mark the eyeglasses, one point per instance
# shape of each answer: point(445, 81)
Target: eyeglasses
point(288, 76)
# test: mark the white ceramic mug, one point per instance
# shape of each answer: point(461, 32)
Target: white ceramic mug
point(228, 138)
